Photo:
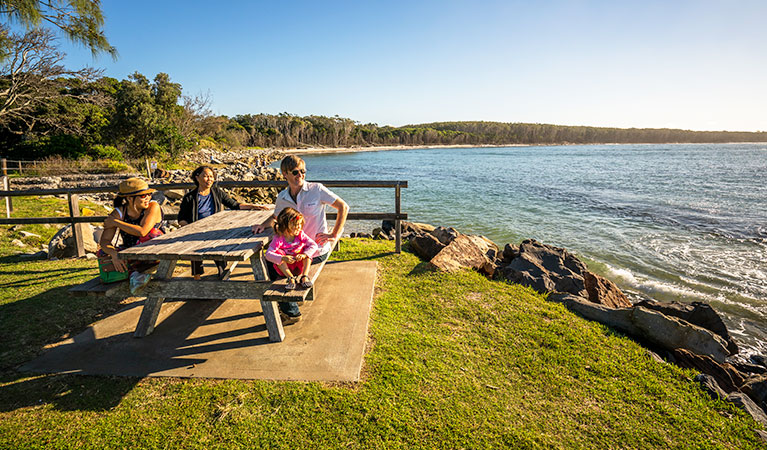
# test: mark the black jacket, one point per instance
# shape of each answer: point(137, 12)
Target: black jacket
point(188, 209)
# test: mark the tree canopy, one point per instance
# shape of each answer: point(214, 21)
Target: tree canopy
point(81, 20)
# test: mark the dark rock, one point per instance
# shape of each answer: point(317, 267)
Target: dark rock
point(445, 235)
point(62, 244)
point(546, 269)
point(387, 226)
point(710, 386)
point(649, 326)
point(697, 313)
point(759, 359)
point(743, 402)
point(750, 368)
point(756, 388)
point(726, 376)
point(654, 356)
point(406, 227)
point(161, 173)
point(463, 252)
point(426, 246)
point(42, 254)
point(510, 252)
point(604, 291)
point(417, 228)
point(174, 194)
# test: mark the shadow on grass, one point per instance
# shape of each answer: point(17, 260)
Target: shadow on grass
point(40, 276)
point(421, 268)
point(27, 325)
point(14, 259)
point(366, 258)
point(64, 392)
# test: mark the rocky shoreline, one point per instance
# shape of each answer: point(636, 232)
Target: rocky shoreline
point(691, 335)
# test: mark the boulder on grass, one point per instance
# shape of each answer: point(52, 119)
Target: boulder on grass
point(605, 292)
point(756, 388)
point(463, 252)
point(426, 246)
point(727, 377)
point(649, 326)
point(546, 269)
point(445, 235)
point(62, 244)
point(510, 251)
point(743, 402)
point(710, 386)
point(697, 313)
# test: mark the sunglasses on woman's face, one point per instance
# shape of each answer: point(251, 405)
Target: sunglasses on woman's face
point(143, 195)
point(295, 172)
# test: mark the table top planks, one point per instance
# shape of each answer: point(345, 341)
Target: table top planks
point(224, 236)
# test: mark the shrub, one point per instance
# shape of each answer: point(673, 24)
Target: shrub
point(117, 166)
point(106, 152)
point(207, 143)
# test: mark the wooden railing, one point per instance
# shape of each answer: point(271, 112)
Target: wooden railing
point(74, 217)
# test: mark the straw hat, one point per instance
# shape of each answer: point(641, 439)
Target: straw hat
point(134, 186)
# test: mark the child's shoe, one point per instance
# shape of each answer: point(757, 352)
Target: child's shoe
point(290, 284)
point(138, 281)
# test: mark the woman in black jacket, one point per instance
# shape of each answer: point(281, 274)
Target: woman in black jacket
point(203, 201)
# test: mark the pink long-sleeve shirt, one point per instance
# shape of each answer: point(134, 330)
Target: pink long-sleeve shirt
point(281, 247)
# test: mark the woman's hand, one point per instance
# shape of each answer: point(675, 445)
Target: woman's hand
point(258, 229)
point(253, 207)
point(301, 257)
point(110, 222)
point(118, 263)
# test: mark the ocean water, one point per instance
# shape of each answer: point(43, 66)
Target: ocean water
point(668, 222)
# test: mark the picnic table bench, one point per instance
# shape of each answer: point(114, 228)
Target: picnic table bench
point(225, 236)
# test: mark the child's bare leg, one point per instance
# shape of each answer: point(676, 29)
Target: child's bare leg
point(307, 264)
point(285, 270)
point(304, 280)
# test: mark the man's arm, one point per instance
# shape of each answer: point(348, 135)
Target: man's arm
point(268, 223)
point(338, 228)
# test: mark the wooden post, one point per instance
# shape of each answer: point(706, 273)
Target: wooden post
point(77, 228)
point(397, 224)
point(153, 303)
point(148, 171)
point(6, 187)
point(20, 171)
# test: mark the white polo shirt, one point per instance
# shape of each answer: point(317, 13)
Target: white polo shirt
point(311, 201)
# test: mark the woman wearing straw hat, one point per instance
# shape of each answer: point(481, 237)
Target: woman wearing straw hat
point(137, 218)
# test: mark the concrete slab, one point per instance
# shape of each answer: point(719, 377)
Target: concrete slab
point(228, 339)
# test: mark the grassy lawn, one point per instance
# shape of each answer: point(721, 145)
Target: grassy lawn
point(455, 361)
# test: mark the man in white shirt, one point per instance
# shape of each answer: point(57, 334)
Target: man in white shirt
point(310, 200)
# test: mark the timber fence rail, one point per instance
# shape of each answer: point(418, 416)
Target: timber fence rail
point(75, 219)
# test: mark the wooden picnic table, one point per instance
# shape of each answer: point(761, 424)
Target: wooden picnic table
point(224, 236)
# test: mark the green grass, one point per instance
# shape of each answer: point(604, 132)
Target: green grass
point(45, 206)
point(455, 361)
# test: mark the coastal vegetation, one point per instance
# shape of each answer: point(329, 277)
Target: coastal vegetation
point(49, 110)
point(455, 360)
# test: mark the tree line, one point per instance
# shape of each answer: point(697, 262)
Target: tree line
point(47, 109)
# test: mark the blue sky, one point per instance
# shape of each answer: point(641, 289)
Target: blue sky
point(698, 65)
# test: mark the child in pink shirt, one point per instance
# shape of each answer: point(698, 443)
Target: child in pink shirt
point(291, 251)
